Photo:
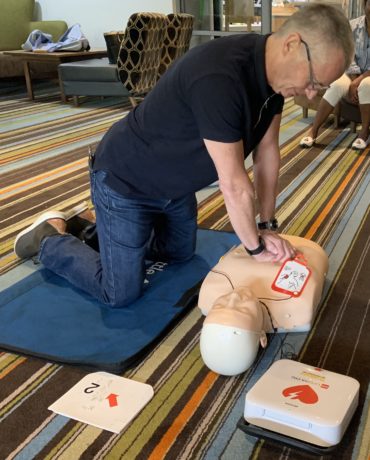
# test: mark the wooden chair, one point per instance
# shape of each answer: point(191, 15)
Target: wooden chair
point(313, 104)
point(344, 110)
point(350, 112)
point(306, 103)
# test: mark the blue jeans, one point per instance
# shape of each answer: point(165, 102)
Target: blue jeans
point(126, 227)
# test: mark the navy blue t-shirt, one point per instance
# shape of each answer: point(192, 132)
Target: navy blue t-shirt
point(216, 91)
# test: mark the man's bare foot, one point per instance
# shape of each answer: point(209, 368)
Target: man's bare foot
point(59, 224)
point(88, 215)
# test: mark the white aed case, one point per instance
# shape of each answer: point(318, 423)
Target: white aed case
point(303, 402)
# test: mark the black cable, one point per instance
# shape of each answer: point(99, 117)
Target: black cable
point(225, 275)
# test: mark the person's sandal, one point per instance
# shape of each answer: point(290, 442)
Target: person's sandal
point(359, 144)
point(307, 142)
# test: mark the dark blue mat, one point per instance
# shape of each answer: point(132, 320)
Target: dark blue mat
point(43, 316)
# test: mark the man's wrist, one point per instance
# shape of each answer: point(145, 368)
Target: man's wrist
point(260, 248)
point(271, 224)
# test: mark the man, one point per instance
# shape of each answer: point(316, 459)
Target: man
point(212, 108)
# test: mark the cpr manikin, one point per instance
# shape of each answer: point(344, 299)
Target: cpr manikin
point(241, 305)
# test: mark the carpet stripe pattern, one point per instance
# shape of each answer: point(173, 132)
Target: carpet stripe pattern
point(324, 195)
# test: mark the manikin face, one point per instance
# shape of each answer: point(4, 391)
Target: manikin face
point(239, 308)
point(233, 332)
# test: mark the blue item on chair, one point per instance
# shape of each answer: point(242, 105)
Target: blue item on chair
point(44, 316)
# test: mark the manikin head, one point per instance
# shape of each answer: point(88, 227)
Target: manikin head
point(233, 331)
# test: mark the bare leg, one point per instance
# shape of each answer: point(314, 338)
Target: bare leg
point(323, 111)
point(365, 118)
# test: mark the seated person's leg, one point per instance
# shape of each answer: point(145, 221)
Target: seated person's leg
point(175, 230)
point(364, 101)
point(330, 99)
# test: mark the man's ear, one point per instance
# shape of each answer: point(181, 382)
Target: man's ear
point(292, 43)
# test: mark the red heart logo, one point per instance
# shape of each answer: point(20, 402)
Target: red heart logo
point(303, 393)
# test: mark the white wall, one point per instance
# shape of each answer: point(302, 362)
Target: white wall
point(98, 16)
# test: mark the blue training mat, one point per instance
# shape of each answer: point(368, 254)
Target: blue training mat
point(44, 316)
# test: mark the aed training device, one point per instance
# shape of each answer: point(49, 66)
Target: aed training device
point(300, 405)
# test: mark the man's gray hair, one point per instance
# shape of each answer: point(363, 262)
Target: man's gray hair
point(323, 27)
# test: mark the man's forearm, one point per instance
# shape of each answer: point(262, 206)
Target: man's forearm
point(241, 210)
point(266, 172)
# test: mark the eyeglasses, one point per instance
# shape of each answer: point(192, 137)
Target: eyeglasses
point(314, 84)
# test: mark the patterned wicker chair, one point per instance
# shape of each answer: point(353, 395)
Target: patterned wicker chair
point(137, 66)
point(140, 53)
point(177, 39)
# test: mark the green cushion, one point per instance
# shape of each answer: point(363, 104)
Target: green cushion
point(15, 16)
point(16, 24)
point(55, 28)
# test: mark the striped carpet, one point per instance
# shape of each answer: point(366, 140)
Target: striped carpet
point(324, 195)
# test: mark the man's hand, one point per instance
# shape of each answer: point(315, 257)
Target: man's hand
point(277, 249)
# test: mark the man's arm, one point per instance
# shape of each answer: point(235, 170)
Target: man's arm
point(266, 166)
point(236, 188)
point(239, 197)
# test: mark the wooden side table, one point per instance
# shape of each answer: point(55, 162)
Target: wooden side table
point(57, 57)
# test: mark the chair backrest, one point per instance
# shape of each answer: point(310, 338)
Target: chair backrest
point(177, 39)
point(140, 52)
point(113, 41)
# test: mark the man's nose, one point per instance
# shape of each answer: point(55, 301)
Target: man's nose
point(310, 93)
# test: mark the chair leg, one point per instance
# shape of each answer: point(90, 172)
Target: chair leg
point(305, 112)
point(336, 116)
point(76, 101)
point(353, 126)
point(133, 101)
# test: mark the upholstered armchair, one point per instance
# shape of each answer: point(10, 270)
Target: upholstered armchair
point(177, 39)
point(140, 53)
point(147, 47)
point(137, 66)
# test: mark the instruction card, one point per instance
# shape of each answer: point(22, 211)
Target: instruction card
point(104, 400)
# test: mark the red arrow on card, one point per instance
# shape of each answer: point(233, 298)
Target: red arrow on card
point(112, 399)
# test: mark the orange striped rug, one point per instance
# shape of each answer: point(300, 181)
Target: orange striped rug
point(324, 195)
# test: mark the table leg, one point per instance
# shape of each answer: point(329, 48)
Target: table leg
point(27, 75)
point(62, 94)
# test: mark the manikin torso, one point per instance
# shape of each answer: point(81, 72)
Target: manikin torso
point(240, 304)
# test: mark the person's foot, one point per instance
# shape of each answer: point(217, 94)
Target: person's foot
point(79, 219)
point(27, 243)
